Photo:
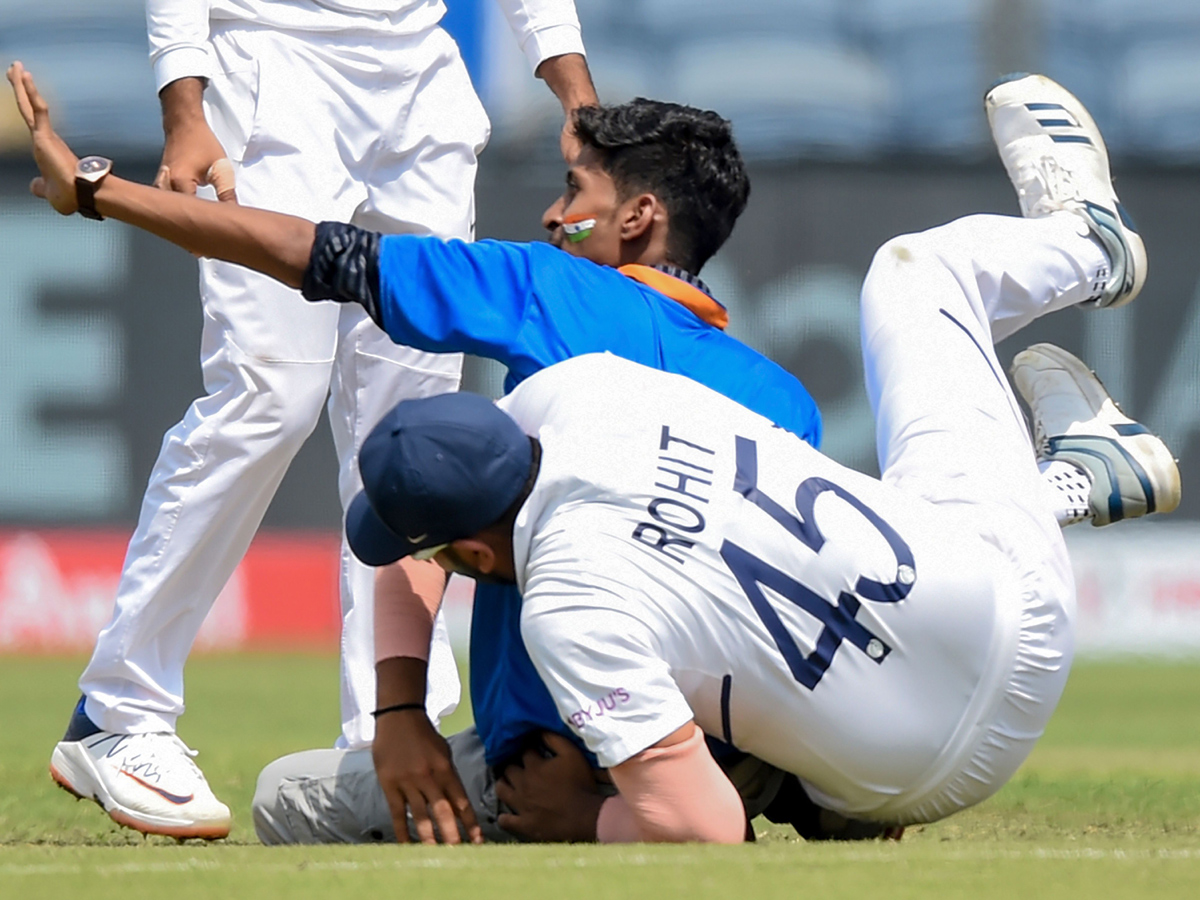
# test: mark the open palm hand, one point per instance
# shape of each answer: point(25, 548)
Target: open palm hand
point(54, 158)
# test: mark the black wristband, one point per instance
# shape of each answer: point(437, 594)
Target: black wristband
point(399, 706)
point(344, 266)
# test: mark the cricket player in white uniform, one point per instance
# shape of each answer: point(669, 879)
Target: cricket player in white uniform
point(356, 110)
point(897, 644)
point(687, 567)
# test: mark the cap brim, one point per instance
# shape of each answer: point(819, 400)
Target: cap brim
point(371, 541)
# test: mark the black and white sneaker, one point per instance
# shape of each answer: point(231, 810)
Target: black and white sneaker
point(1056, 159)
point(1075, 420)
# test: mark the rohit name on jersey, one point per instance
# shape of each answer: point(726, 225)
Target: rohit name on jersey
point(682, 489)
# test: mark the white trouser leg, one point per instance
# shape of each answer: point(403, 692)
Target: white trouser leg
point(419, 180)
point(947, 423)
point(365, 386)
point(333, 796)
point(949, 429)
point(210, 487)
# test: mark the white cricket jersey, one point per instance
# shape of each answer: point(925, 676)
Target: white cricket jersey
point(681, 557)
point(179, 29)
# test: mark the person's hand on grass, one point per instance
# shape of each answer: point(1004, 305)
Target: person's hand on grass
point(553, 793)
point(413, 762)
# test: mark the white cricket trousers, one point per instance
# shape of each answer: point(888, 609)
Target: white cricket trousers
point(949, 429)
point(382, 131)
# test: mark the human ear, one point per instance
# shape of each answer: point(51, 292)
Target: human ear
point(638, 216)
point(477, 554)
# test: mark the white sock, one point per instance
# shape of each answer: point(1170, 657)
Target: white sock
point(1067, 488)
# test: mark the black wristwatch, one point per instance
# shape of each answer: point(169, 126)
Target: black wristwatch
point(89, 173)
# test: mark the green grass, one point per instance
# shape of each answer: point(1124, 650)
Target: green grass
point(1107, 806)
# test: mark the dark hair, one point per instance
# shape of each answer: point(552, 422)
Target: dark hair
point(685, 157)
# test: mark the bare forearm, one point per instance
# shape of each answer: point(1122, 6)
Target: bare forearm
point(182, 104)
point(568, 77)
point(400, 679)
point(273, 243)
point(408, 595)
point(672, 792)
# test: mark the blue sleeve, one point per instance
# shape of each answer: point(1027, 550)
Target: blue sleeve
point(453, 296)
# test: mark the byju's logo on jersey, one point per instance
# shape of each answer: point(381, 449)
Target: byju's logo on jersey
point(602, 706)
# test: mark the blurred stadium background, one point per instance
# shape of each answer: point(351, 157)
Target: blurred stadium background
point(860, 119)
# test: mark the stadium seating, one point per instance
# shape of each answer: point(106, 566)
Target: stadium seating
point(800, 78)
point(811, 20)
point(92, 61)
point(931, 53)
point(1156, 99)
point(1135, 65)
point(785, 95)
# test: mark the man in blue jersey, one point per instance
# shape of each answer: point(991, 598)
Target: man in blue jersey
point(653, 194)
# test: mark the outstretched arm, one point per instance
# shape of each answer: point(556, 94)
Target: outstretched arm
point(275, 244)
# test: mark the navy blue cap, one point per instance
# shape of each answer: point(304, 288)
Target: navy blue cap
point(435, 470)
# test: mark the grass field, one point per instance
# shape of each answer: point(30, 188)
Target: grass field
point(1107, 807)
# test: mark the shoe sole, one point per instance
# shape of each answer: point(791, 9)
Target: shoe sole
point(1143, 450)
point(1040, 89)
point(74, 772)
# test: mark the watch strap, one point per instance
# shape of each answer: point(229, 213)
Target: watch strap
point(85, 197)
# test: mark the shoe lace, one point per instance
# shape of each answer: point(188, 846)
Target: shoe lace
point(184, 747)
point(156, 738)
point(1045, 186)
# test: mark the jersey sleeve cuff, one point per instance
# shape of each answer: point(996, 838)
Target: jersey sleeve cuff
point(555, 40)
point(184, 61)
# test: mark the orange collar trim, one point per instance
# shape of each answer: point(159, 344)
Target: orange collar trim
point(703, 306)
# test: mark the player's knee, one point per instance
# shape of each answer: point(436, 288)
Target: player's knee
point(901, 252)
point(251, 399)
point(293, 403)
point(270, 824)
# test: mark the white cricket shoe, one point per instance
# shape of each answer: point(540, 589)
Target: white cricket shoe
point(147, 782)
point(1056, 159)
point(1132, 471)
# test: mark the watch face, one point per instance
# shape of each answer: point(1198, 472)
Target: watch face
point(92, 165)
